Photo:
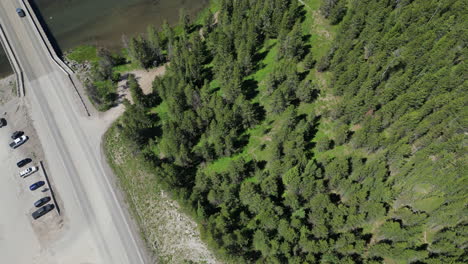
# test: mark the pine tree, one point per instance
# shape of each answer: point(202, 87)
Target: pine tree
point(138, 97)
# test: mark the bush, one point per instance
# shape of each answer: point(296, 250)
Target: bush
point(323, 144)
point(323, 64)
point(309, 62)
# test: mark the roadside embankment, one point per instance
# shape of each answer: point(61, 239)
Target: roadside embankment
point(172, 236)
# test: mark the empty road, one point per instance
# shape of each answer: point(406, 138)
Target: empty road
point(96, 227)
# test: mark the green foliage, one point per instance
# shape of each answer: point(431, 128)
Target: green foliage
point(102, 93)
point(334, 10)
point(101, 80)
point(374, 173)
point(84, 53)
point(148, 51)
point(136, 92)
point(102, 85)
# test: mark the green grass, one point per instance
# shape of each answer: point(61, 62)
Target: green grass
point(429, 204)
point(252, 151)
point(266, 66)
point(84, 53)
point(126, 67)
point(221, 165)
point(322, 33)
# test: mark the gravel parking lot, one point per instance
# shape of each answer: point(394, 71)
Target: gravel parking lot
point(17, 228)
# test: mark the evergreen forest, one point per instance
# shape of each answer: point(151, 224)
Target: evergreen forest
point(293, 142)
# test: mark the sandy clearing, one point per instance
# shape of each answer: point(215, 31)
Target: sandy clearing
point(144, 77)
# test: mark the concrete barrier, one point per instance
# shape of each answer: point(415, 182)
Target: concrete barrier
point(13, 62)
point(52, 193)
point(53, 54)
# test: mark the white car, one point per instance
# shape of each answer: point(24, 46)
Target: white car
point(18, 142)
point(28, 171)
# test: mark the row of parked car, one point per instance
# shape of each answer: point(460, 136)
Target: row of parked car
point(19, 139)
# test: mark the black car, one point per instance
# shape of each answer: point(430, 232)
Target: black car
point(36, 185)
point(17, 134)
point(20, 12)
point(23, 162)
point(42, 201)
point(42, 211)
point(2, 122)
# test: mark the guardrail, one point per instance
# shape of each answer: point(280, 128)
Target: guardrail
point(13, 61)
point(53, 54)
point(50, 187)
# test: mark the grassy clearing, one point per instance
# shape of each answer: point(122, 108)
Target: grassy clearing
point(126, 67)
point(84, 53)
point(429, 204)
point(266, 66)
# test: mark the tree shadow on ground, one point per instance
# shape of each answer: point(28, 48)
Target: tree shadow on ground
point(250, 88)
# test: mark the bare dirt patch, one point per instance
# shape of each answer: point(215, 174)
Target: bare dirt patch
point(7, 89)
point(144, 77)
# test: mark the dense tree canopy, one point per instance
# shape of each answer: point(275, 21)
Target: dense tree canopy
point(377, 175)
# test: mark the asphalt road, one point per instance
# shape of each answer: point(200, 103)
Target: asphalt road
point(96, 226)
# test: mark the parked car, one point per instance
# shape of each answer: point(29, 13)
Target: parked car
point(42, 201)
point(28, 171)
point(17, 134)
point(2, 122)
point(18, 142)
point(42, 211)
point(20, 12)
point(36, 185)
point(23, 162)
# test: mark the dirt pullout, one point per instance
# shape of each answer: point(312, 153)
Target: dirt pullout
point(144, 77)
point(47, 228)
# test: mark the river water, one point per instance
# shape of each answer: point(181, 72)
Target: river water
point(104, 22)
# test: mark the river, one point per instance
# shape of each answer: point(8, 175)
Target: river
point(104, 22)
